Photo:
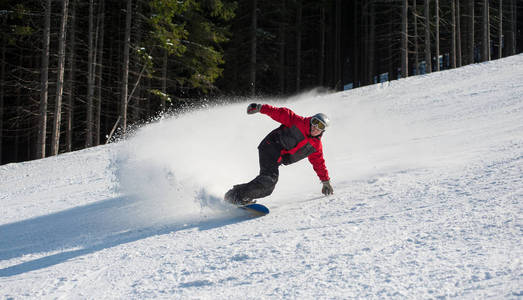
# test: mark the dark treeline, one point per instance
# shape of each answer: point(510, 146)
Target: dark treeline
point(74, 72)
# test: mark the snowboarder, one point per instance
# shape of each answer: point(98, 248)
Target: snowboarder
point(298, 137)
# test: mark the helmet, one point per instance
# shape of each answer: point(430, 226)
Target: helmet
point(321, 118)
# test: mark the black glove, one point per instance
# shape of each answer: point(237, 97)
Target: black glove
point(327, 188)
point(253, 108)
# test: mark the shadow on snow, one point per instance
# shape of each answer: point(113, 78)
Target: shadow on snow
point(91, 228)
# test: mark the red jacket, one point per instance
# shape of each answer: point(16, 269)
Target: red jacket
point(296, 139)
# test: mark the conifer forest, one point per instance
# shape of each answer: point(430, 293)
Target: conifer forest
point(76, 73)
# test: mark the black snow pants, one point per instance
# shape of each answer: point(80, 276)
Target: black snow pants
point(263, 185)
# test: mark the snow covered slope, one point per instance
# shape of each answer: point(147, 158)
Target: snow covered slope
point(428, 180)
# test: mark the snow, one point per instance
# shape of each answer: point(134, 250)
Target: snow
point(428, 179)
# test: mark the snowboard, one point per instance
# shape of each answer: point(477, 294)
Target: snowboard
point(255, 209)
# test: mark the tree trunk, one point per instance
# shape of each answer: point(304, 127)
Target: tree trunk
point(500, 30)
point(55, 137)
point(18, 106)
point(404, 40)
point(109, 136)
point(458, 34)
point(100, 54)
point(136, 28)
point(438, 68)
point(471, 32)
point(365, 43)
point(44, 84)
point(125, 75)
point(90, 78)
point(390, 51)
point(70, 81)
point(298, 44)
point(355, 56)
point(453, 38)
point(252, 79)
point(371, 42)
point(281, 45)
point(164, 80)
point(485, 49)
point(339, 64)
point(416, 46)
point(2, 90)
point(513, 30)
point(112, 66)
point(148, 111)
point(428, 54)
point(321, 79)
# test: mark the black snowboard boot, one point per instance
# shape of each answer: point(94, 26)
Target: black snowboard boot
point(236, 196)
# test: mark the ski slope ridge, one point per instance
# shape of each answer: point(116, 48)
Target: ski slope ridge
point(428, 179)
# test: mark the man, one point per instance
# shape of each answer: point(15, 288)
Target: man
point(298, 137)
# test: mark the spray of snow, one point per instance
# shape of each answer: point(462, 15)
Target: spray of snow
point(185, 163)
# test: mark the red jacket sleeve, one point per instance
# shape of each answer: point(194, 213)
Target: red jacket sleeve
point(282, 115)
point(318, 164)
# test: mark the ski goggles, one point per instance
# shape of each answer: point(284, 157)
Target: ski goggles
point(318, 124)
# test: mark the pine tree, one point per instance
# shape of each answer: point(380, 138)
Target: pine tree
point(281, 48)
point(321, 63)
point(437, 38)
point(500, 29)
point(100, 65)
point(125, 68)
point(44, 83)
point(485, 49)
point(512, 34)
point(428, 54)
point(416, 45)
point(70, 83)
point(55, 138)
point(458, 34)
point(404, 40)
point(90, 77)
point(453, 38)
point(471, 33)
point(253, 36)
point(299, 25)
point(2, 88)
